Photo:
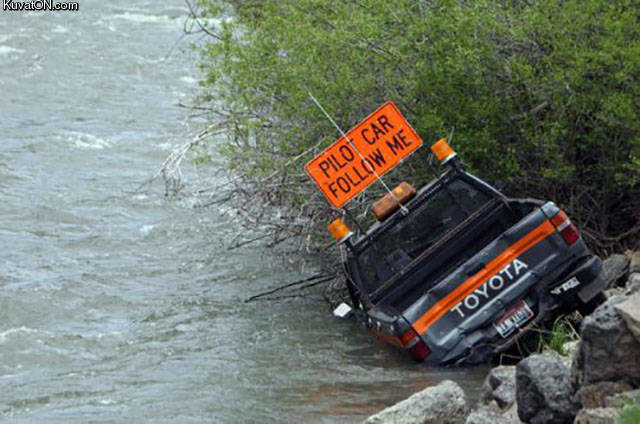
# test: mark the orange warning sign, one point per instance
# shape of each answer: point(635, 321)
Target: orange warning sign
point(374, 146)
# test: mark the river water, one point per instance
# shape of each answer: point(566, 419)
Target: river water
point(124, 306)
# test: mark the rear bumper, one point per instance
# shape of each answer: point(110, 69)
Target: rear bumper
point(481, 344)
point(590, 274)
point(585, 281)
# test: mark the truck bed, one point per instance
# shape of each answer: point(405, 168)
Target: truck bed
point(452, 251)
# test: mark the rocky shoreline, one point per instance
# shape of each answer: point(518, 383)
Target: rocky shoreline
point(596, 382)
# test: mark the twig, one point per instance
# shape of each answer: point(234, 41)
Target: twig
point(202, 26)
point(323, 279)
point(290, 296)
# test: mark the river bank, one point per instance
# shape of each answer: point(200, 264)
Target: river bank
point(594, 380)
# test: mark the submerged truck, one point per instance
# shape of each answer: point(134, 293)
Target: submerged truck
point(456, 272)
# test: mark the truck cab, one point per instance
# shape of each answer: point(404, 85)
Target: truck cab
point(456, 271)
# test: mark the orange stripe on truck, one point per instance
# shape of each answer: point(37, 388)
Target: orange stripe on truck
point(444, 305)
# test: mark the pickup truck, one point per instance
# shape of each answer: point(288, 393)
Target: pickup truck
point(456, 272)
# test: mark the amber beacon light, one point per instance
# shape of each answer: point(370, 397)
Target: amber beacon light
point(339, 230)
point(443, 151)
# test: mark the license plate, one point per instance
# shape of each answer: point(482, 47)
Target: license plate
point(512, 319)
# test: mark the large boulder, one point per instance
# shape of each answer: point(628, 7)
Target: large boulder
point(634, 264)
point(500, 386)
point(620, 400)
point(442, 404)
point(596, 416)
point(488, 414)
point(633, 284)
point(543, 392)
point(571, 348)
point(512, 414)
point(608, 350)
point(595, 395)
point(615, 269)
point(629, 309)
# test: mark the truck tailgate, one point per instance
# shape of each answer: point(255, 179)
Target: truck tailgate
point(479, 230)
point(487, 284)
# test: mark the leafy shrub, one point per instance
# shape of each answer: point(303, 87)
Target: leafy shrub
point(543, 96)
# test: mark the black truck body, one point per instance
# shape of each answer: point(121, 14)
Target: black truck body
point(461, 271)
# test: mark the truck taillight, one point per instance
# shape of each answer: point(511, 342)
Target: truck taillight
point(419, 351)
point(567, 230)
point(414, 344)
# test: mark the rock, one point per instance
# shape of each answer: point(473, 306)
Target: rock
point(505, 394)
point(543, 392)
point(620, 400)
point(500, 386)
point(614, 291)
point(615, 269)
point(444, 403)
point(630, 311)
point(608, 351)
point(594, 395)
point(512, 414)
point(634, 263)
point(596, 416)
point(633, 284)
point(571, 348)
point(488, 415)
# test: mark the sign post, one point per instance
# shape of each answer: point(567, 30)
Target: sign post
point(373, 147)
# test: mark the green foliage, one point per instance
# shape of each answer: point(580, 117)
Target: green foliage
point(561, 333)
point(543, 95)
point(630, 414)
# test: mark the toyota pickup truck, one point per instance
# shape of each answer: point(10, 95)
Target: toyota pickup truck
point(456, 272)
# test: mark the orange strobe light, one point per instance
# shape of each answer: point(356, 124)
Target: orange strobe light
point(443, 151)
point(339, 230)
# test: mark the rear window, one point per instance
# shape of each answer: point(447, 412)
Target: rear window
point(399, 244)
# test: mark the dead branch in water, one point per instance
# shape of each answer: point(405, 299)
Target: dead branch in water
point(171, 171)
point(317, 280)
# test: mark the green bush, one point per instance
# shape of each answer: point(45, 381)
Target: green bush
point(543, 96)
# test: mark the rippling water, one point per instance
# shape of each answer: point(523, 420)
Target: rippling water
point(124, 306)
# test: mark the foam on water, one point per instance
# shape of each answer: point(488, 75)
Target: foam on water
point(5, 37)
point(82, 140)
point(142, 18)
point(59, 29)
point(189, 80)
point(166, 146)
point(6, 51)
point(146, 229)
point(5, 335)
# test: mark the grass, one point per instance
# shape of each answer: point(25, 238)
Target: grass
point(561, 333)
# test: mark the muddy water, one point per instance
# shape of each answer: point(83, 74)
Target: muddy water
point(123, 306)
